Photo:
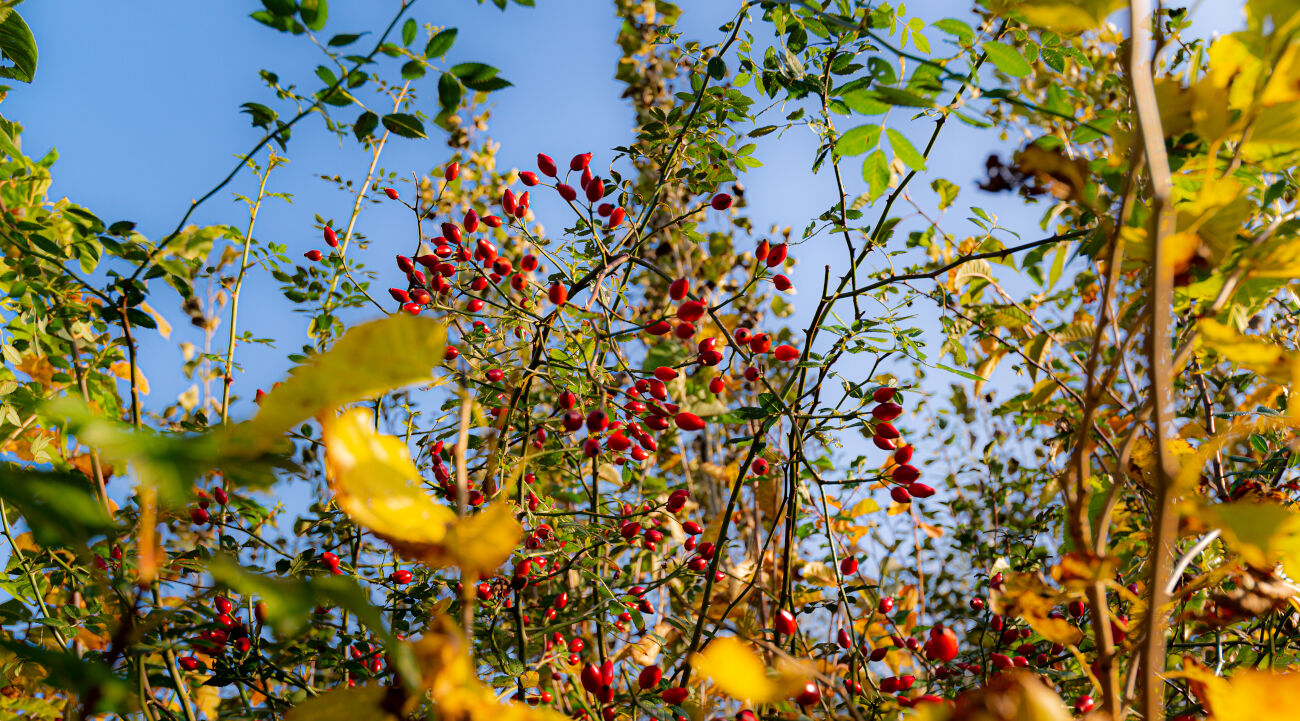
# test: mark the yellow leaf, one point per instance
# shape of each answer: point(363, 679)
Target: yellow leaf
point(363, 703)
point(1026, 596)
point(1263, 533)
point(122, 370)
point(483, 541)
point(931, 530)
point(164, 328)
point(1063, 16)
point(863, 507)
point(370, 358)
point(1276, 363)
point(376, 485)
point(737, 671)
point(1252, 694)
point(818, 574)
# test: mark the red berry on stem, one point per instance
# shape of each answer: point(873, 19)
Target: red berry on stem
point(786, 353)
point(649, 677)
point(331, 238)
point(848, 566)
point(689, 422)
point(690, 311)
point(785, 623)
point(883, 394)
point(782, 283)
point(391, 193)
point(453, 169)
point(313, 255)
point(887, 411)
point(558, 294)
point(721, 201)
point(546, 165)
point(903, 455)
point(675, 695)
point(579, 162)
point(529, 178)
point(678, 289)
point(758, 467)
point(905, 474)
point(567, 192)
point(616, 217)
point(776, 256)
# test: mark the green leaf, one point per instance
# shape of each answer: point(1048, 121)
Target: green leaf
point(18, 45)
point(858, 140)
point(946, 190)
point(875, 170)
point(479, 76)
point(407, 126)
point(904, 150)
point(865, 102)
point(344, 39)
point(439, 44)
point(58, 507)
point(365, 125)
point(314, 12)
point(963, 374)
point(262, 115)
point(409, 29)
point(1007, 59)
point(955, 27)
point(449, 92)
point(413, 70)
point(717, 68)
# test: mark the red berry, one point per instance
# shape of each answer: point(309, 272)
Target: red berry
point(721, 201)
point(198, 515)
point(391, 193)
point(528, 178)
point(900, 494)
point(558, 294)
point(760, 343)
point(886, 605)
point(785, 623)
point(786, 353)
point(665, 373)
point(659, 328)
point(942, 646)
point(1084, 704)
point(616, 217)
point(920, 490)
point(849, 566)
point(886, 430)
point(546, 165)
point(402, 576)
point(331, 239)
point(690, 311)
point(776, 256)
point(689, 422)
point(649, 677)
point(678, 289)
point(684, 330)
point(595, 190)
point(905, 474)
point(883, 394)
point(782, 283)
point(189, 663)
point(903, 455)
point(716, 385)
point(887, 411)
point(761, 251)
point(579, 162)
point(758, 467)
point(453, 169)
point(313, 255)
point(567, 192)
point(675, 695)
point(811, 695)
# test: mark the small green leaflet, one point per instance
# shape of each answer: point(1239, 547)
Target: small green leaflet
point(904, 150)
point(407, 126)
point(875, 170)
point(1007, 59)
point(439, 44)
point(858, 140)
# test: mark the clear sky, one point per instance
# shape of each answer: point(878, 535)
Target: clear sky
point(142, 101)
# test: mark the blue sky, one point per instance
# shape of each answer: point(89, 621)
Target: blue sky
point(142, 101)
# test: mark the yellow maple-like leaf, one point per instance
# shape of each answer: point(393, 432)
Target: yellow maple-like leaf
point(1252, 694)
point(737, 671)
point(370, 358)
point(377, 486)
point(1274, 362)
point(1263, 533)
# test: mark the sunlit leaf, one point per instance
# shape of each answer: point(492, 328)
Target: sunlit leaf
point(1062, 16)
point(737, 671)
point(375, 483)
point(370, 358)
point(1263, 533)
point(1270, 360)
